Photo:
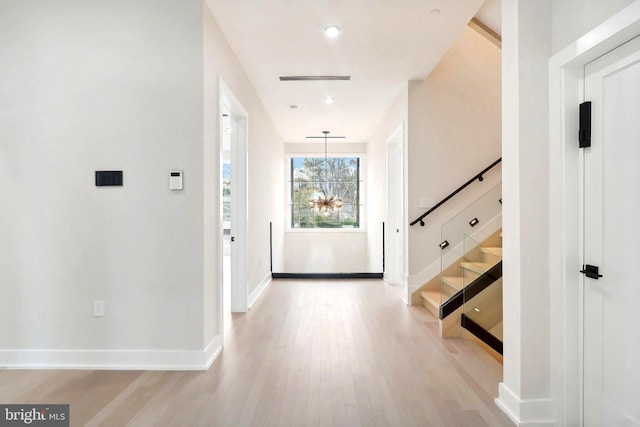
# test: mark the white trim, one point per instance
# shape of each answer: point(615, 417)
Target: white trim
point(239, 291)
point(397, 137)
point(257, 292)
point(148, 360)
point(565, 252)
point(529, 412)
point(212, 351)
point(325, 230)
point(406, 297)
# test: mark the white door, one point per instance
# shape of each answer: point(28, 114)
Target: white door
point(394, 256)
point(611, 346)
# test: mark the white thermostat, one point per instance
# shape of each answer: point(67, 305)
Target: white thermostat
point(175, 180)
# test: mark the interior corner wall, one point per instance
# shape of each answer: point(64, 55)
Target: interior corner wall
point(265, 152)
point(89, 86)
point(454, 131)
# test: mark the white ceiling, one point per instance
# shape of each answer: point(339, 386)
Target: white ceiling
point(382, 45)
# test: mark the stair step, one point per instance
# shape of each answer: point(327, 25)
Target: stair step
point(496, 331)
point(492, 250)
point(436, 297)
point(476, 267)
point(432, 296)
point(456, 282)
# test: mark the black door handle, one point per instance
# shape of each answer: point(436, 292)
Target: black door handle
point(591, 271)
point(233, 239)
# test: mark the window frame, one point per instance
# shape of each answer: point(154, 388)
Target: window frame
point(361, 193)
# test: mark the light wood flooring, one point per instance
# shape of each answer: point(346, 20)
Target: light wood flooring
point(309, 353)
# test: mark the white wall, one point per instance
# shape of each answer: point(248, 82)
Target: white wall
point(90, 86)
point(524, 392)
point(574, 18)
point(265, 157)
point(129, 86)
point(453, 133)
point(334, 251)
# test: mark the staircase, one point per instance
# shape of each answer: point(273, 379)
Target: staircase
point(467, 296)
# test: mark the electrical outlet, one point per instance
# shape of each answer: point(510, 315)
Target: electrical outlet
point(98, 308)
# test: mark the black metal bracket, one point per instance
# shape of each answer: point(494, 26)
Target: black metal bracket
point(591, 271)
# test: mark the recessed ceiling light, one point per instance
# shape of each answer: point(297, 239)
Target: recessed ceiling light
point(434, 12)
point(293, 107)
point(332, 31)
point(328, 100)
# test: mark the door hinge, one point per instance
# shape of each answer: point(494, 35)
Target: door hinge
point(591, 271)
point(584, 134)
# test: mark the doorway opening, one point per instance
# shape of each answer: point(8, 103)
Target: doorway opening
point(233, 206)
point(394, 230)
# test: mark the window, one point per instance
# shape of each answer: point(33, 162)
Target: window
point(311, 177)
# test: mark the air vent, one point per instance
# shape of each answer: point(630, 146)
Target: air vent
point(312, 78)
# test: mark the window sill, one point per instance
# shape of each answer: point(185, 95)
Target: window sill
point(326, 230)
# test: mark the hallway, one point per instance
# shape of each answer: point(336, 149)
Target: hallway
point(309, 353)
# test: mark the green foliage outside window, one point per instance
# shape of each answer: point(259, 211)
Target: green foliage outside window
point(314, 176)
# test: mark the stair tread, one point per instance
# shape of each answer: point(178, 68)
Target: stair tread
point(432, 296)
point(493, 250)
point(435, 296)
point(456, 282)
point(476, 267)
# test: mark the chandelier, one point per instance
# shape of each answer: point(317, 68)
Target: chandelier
point(325, 204)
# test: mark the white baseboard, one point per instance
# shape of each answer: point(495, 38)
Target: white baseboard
point(525, 413)
point(255, 294)
point(148, 360)
point(212, 351)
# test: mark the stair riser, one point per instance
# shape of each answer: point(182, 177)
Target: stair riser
point(491, 258)
point(430, 308)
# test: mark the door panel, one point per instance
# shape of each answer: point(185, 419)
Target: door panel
point(611, 342)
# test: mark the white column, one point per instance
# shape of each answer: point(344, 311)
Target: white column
point(524, 393)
